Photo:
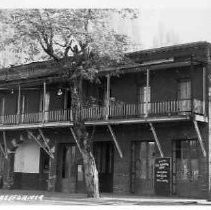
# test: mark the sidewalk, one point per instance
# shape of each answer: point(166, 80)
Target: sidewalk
point(57, 198)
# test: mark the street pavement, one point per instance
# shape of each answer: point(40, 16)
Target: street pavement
point(25, 197)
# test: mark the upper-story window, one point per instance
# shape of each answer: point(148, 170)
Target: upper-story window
point(184, 89)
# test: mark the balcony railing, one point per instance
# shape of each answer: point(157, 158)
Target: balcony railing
point(120, 111)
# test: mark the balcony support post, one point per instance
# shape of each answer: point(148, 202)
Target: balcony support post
point(156, 139)
point(204, 91)
point(45, 142)
point(5, 145)
point(19, 104)
point(2, 150)
point(3, 110)
point(199, 138)
point(108, 84)
point(75, 138)
point(191, 84)
point(115, 141)
point(37, 139)
point(44, 100)
point(147, 92)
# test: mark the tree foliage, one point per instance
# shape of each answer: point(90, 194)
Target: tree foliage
point(84, 42)
point(41, 34)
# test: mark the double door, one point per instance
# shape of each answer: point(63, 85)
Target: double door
point(70, 176)
point(142, 174)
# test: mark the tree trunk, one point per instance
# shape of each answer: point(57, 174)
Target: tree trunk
point(84, 143)
point(91, 175)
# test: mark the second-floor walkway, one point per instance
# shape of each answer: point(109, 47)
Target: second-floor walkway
point(172, 110)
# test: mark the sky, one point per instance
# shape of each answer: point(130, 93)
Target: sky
point(162, 22)
point(168, 23)
point(187, 24)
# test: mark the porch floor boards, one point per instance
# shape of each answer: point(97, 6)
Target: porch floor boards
point(98, 122)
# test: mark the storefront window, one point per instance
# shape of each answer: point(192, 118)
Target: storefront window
point(187, 161)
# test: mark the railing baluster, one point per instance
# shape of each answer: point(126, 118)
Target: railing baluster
point(115, 111)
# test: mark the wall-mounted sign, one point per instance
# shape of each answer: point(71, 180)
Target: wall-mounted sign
point(162, 176)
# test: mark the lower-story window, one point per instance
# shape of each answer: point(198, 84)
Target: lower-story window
point(187, 160)
point(186, 167)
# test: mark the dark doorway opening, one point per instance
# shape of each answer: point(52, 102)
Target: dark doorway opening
point(44, 170)
point(104, 157)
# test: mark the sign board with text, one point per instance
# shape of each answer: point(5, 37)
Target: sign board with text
point(162, 176)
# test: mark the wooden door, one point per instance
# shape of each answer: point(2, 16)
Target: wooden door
point(143, 156)
point(104, 157)
point(184, 95)
point(186, 168)
point(66, 168)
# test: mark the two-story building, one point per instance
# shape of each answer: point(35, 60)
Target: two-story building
point(138, 113)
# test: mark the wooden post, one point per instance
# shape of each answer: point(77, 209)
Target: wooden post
point(5, 145)
point(208, 101)
point(44, 99)
point(40, 144)
point(147, 93)
point(76, 141)
point(46, 143)
point(200, 138)
point(19, 104)
point(65, 99)
point(191, 84)
point(156, 139)
point(115, 141)
point(2, 150)
point(3, 109)
point(107, 96)
point(204, 91)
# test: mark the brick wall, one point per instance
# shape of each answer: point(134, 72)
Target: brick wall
point(125, 135)
point(166, 133)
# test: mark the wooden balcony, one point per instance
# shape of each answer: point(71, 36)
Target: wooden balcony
point(156, 110)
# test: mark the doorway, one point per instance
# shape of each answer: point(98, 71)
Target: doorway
point(44, 170)
point(66, 168)
point(142, 171)
point(184, 95)
point(104, 157)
